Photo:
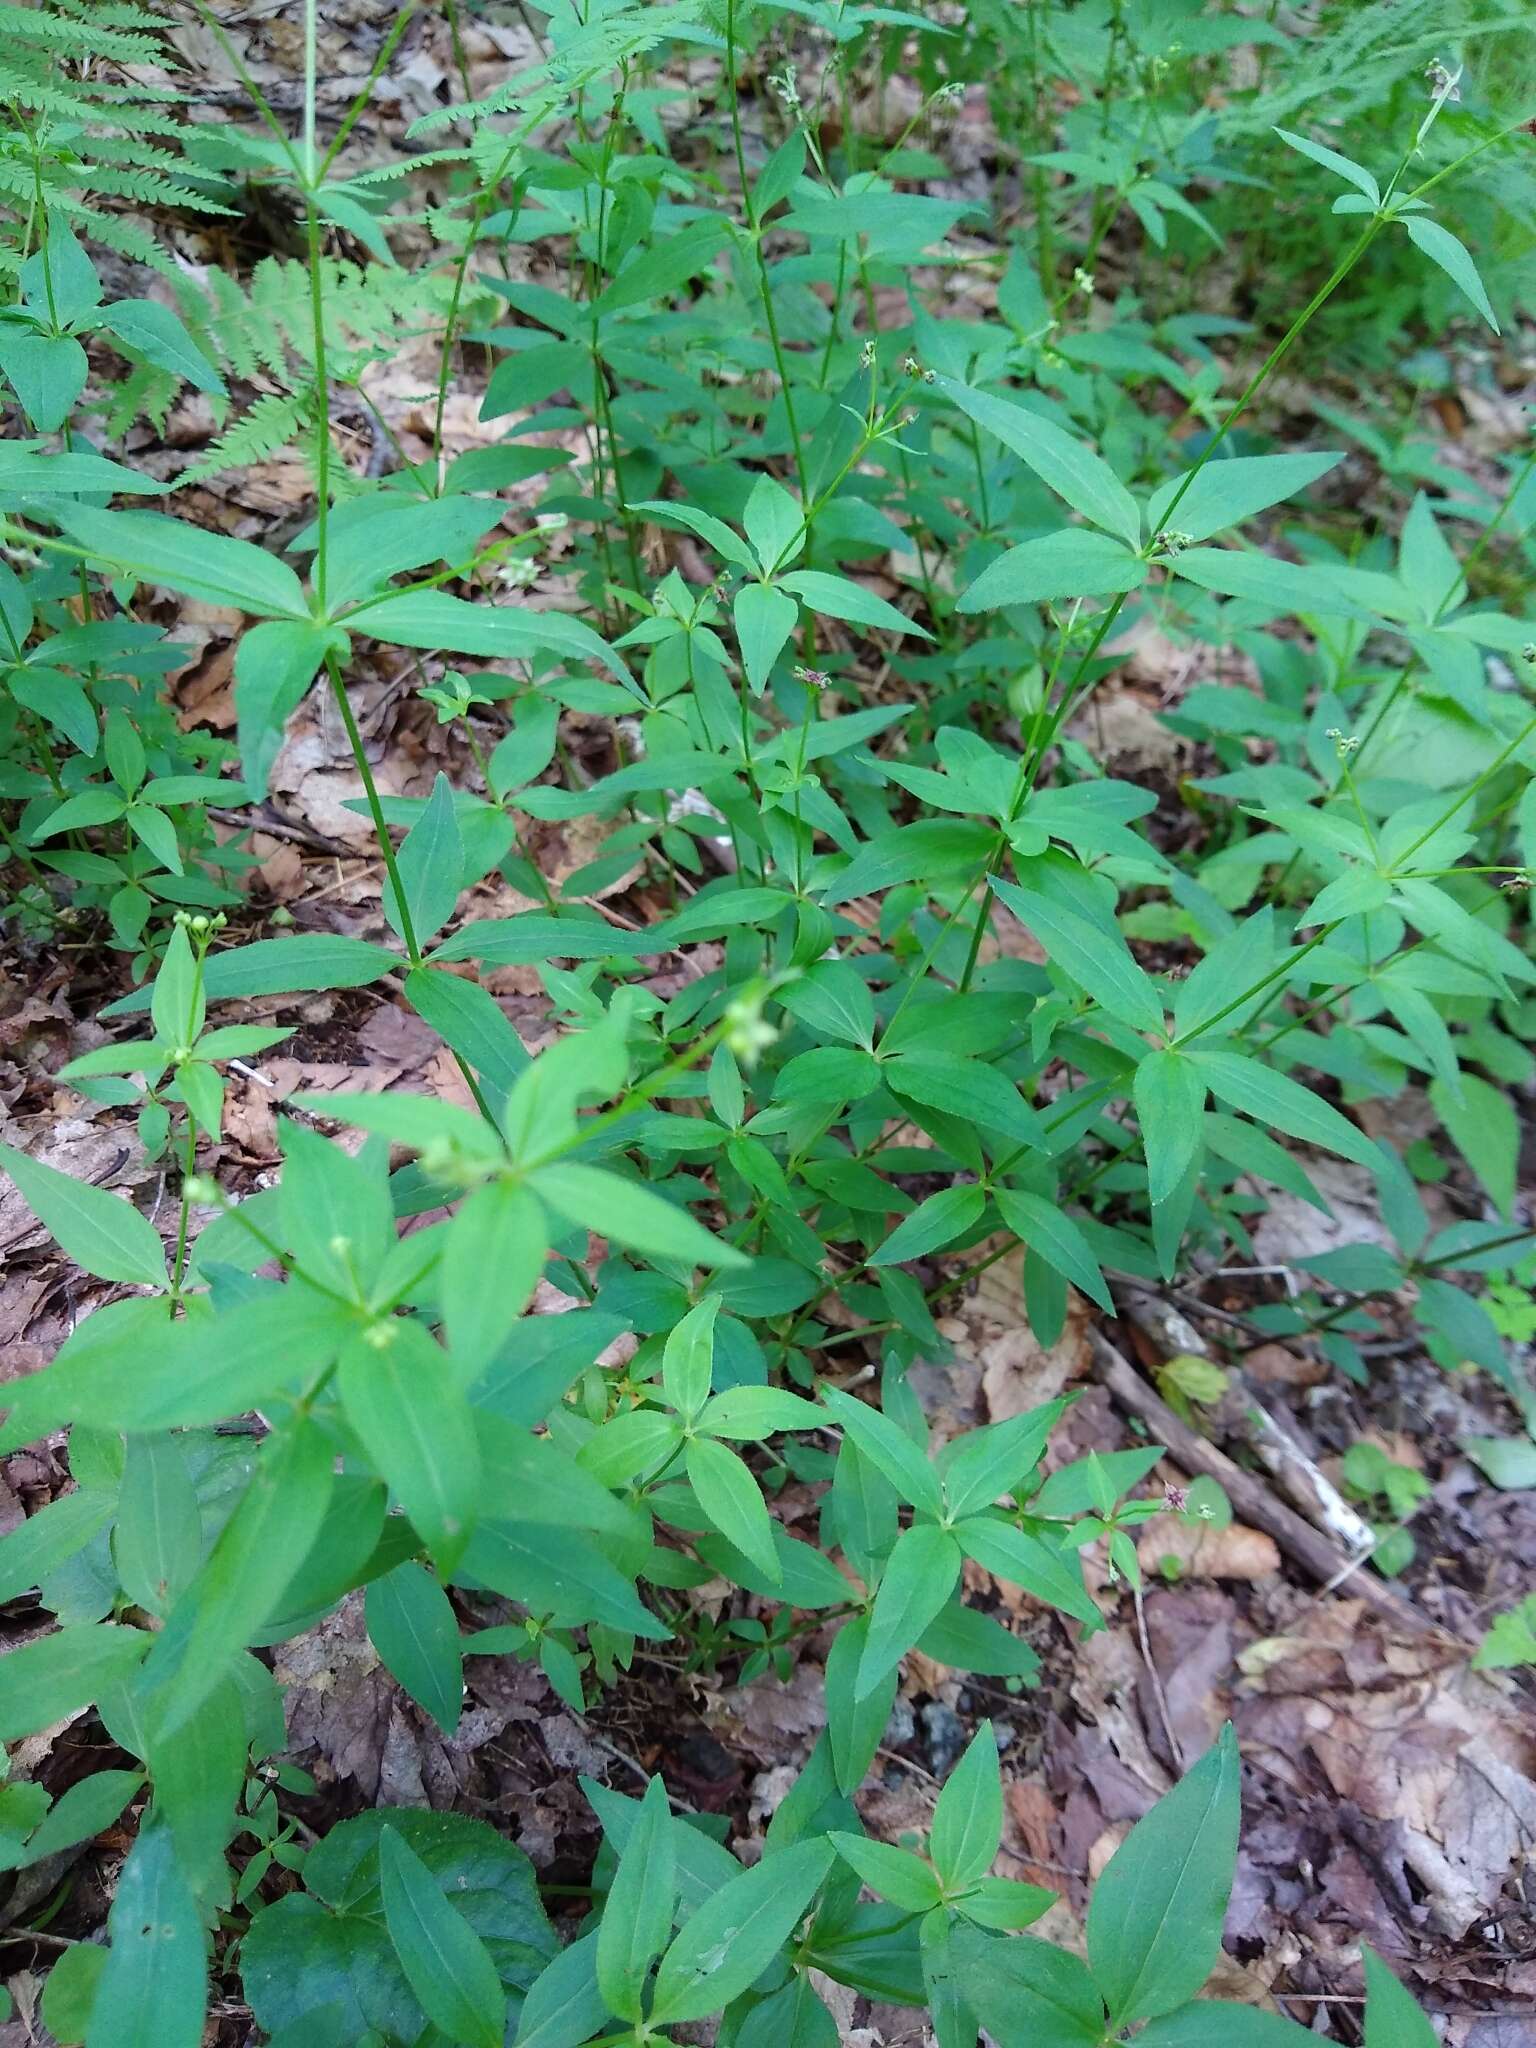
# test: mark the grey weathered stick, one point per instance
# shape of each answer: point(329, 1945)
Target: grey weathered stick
point(1251, 1499)
point(1298, 1476)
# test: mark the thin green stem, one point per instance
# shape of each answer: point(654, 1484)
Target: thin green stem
point(375, 806)
point(376, 71)
point(755, 231)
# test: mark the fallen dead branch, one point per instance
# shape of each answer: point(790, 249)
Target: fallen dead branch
point(1251, 1498)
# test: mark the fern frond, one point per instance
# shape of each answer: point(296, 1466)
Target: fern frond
point(426, 160)
point(37, 94)
point(77, 36)
point(267, 328)
point(112, 14)
point(113, 230)
point(144, 394)
point(1360, 54)
point(152, 188)
point(136, 151)
point(259, 434)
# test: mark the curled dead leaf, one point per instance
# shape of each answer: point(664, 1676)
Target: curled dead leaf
point(1201, 1552)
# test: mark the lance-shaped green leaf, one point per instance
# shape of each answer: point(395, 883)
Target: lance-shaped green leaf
point(200, 1370)
point(688, 1357)
point(159, 549)
point(30, 472)
point(99, 1231)
point(656, 272)
point(154, 332)
point(919, 1576)
point(1027, 1992)
point(107, 1344)
point(856, 1723)
point(406, 1404)
point(473, 1023)
point(982, 1463)
point(1264, 579)
point(1169, 1093)
point(641, 1440)
point(932, 1225)
point(286, 966)
point(275, 664)
point(498, 1231)
point(1154, 1921)
point(727, 544)
point(47, 372)
point(35, 1548)
point(157, 1543)
point(242, 1582)
point(838, 597)
point(153, 1988)
point(55, 1675)
point(431, 868)
point(445, 1962)
point(965, 1088)
point(564, 2006)
point(1275, 1100)
point(412, 1625)
point(1056, 1238)
point(198, 1773)
point(896, 1874)
point(1483, 1127)
point(764, 618)
point(889, 1449)
point(930, 850)
point(433, 619)
point(1028, 1561)
point(1067, 466)
point(1442, 247)
point(1098, 962)
point(730, 1497)
point(1230, 489)
point(637, 1913)
point(751, 1413)
point(1073, 563)
point(368, 540)
point(630, 1214)
point(1331, 160)
point(86, 1810)
point(732, 1938)
point(968, 1818)
point(571, 1579)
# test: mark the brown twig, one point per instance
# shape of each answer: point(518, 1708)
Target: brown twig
point(1251, 1498)
point(1175, 1747)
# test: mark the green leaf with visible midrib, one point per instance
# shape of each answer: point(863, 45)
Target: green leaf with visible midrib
point(153, 1987)
point(446, 1963)
point(729, 1496)
point(1067, 466)
point(411, 1623)
point(731, 1939)
point(99, 1231)
point(286, 966)
point(1154, 1921)
point(1276, 1100)
point(1096, 960)
point(159, 549)
point(404, 1402)
point(54, 1675)
point(637, 1914)
point(919, 1576)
